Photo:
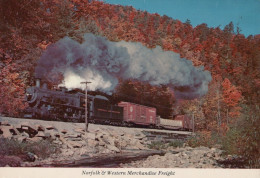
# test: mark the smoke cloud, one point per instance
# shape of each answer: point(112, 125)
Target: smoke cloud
point(102, 62)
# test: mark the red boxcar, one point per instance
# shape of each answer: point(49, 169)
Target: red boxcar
point(186, 121)
point(138, 114)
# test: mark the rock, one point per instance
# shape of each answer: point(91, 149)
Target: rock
point(105, 151)
point(109, 140)
point(30, 157)
point(213, 149)
point(209, 154)
point(80, 130)
point(40, 134)
point(25, 126)
point(89, 135)
point(101, 143)
point(39, 127)
point(50, 127)
point(47, 135)
point(123, 143)
point(65, 142)
point(6, 132)
point(76, 144)
point(133, 142)
point(57, 142)
point(99, 136)
point(139, 146)
point(6, 123)
point(25, 135)
point(91, 142)
point(28, 129)
point(64, 131)
point(52, 133)
point(68, 153)
point(20, 138)
point(139, 136)
point(83, 151)
point(14, 131)
point(72, 136)
point(74, 139)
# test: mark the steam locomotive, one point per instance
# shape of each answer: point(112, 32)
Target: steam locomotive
point(63, 105)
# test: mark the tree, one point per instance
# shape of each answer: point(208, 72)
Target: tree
point(231, 97)
point(229, 28)
point(11, 90)
point(188, 22)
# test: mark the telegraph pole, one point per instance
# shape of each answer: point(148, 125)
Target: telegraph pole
point(193, 124)
point(86, 105)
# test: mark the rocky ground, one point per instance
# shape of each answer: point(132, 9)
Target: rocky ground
point(101, 141)
point(73, 141)
point(186, 157)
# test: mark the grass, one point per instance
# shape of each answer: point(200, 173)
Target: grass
point(159, 145)
point(43, 149)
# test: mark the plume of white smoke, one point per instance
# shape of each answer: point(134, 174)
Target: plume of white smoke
point(102, 62)
point(72, 80)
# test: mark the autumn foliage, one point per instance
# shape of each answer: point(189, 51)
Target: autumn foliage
point(28, 27)
point(11, 90)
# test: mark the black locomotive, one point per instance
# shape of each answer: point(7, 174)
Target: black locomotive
point(63, 105)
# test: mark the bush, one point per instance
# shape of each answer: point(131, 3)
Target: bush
point(243, 138)
point(42, 149)
point(176, 143)
point(158, 145)
point(206, 139)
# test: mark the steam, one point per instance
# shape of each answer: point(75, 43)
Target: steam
point(72, 80)
point(101, 62)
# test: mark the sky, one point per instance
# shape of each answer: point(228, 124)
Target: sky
point(243, 13)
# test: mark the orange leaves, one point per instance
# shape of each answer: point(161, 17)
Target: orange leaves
point(43, 45)
point(231, 94)
point(167, 44)
point(237, 70)
point(11, 89)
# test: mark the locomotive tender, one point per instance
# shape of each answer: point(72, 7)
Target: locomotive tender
point(63, 105)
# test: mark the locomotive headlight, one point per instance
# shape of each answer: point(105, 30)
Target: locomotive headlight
point(28, 96)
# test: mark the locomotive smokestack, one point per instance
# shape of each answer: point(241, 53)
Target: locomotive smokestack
point(38, 82)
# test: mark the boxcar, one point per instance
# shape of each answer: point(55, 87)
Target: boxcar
point(186, 121)
point(138, 114)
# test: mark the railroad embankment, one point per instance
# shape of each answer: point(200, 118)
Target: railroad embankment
point(29, 142)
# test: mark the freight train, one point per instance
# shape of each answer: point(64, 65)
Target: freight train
point(63, 105)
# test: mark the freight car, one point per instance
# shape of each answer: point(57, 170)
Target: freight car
point(66, 105)
point(135, 114)
point(180, 122)
point(187, 123)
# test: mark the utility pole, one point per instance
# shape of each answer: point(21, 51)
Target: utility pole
point(193, 124)
point(86, 105)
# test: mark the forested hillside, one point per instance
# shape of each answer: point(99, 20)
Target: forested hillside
point(28, 27)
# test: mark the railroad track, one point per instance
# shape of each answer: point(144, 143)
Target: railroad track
point(165, 136)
